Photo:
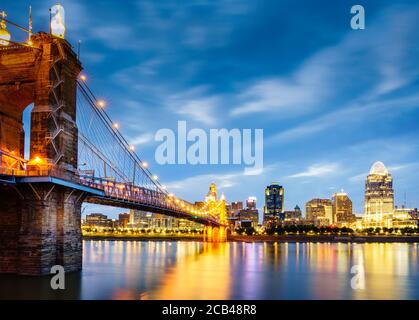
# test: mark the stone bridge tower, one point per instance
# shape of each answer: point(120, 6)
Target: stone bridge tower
point(39, 219)
point(216, 207)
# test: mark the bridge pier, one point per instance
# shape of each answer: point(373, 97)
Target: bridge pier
point(215, 234)
point(40, 227)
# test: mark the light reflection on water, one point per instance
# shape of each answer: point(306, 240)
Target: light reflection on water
point(196, 270)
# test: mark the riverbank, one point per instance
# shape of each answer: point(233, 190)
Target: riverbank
point(325, 238)
point(263, 238)
point(154, 237)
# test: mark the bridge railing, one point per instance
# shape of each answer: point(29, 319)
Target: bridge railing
point(119, 191)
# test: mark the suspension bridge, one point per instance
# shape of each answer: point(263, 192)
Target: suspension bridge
point(76, 155)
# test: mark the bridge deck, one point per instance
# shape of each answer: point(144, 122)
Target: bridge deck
point(115, 194)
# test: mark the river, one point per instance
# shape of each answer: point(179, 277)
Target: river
point(234, 270)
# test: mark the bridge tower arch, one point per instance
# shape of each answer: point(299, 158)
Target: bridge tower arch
point(39, 221)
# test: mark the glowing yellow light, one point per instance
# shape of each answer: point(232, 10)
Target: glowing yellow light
point(115, 125)
point(101, 103)
point(30, 43)
point(155, 177)
point(83, 78)
point(145, 165)
point(37, 160)
point(164, 187)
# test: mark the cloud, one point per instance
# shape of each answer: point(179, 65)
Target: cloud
point(142, 139)
point(275, 95)
point(357, 112)
point(196, 104)
point(223, 180)
point(317, 170)
point(369, 65)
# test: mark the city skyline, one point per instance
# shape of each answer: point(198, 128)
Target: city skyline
point(298, 92)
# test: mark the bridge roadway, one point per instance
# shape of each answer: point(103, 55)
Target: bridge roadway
point(115, 194)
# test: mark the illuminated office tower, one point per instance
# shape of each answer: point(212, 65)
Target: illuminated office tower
point(274, 204)
point(342, 209)
point(379, 197)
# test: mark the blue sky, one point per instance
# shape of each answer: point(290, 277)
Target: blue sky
point(331, 100)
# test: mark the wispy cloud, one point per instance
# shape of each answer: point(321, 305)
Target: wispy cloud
point(276, 95)
point(317, 170)
point(142, 139)
point(354, 113)
point(196, 105)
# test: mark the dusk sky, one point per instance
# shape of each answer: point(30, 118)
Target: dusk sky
point(331, 100)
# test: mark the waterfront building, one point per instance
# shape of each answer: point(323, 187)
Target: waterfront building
point(379, 197)
point(293, 217)
point(98, 220)
point(342, 209)
point(123, 220)
point(404, 218)
point(136, 217)
point(249, 215)
point(273, 211)
point(320, 212)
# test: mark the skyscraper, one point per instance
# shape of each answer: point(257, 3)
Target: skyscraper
point(274, 203)
point(379, 197)
point(342, 209)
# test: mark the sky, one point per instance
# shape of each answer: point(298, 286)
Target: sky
point(331, 100)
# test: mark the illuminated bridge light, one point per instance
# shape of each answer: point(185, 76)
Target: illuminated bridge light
point(115, 125)
point(155, 177)
point(101, 103)
point(83, 78)
point(132, 148)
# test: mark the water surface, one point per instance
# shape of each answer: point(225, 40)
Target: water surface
point(235, 270)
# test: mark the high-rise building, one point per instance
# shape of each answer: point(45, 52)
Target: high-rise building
point(251, 203)
point(274, 204)
point(236, 207)
point(379, 197)
point(320, 212)
point(342, 209)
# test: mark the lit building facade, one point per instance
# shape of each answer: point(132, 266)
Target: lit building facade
point(98, 220)
point(236, 207)
point(249, 215)
point(379, 197)
point(251, 203)
point(294, 217)
point(274, 204)
point(404, 218)
point(342, 209)
point(320, 212)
